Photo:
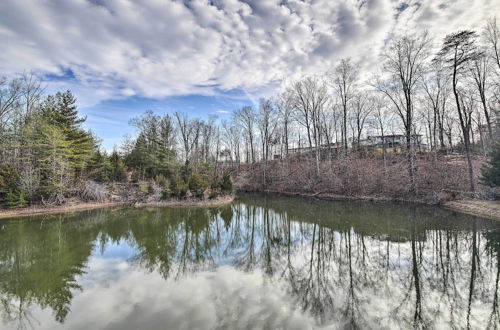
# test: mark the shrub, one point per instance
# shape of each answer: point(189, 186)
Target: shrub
point(167, 193)
point(197, 184)
point(119, 172)
point(490, 172)
point(9, 178)
point(226, 183)
point(144, 187)
point(134, 177)
point(15, 199)
point(178, 187)
point(10, 190)
point(92, 191)
point(161, 180)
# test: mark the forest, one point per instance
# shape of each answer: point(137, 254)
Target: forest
point(424, 126)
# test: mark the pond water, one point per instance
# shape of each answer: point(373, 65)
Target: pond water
point(260, 263)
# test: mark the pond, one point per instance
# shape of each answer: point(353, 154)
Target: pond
point(259, 263)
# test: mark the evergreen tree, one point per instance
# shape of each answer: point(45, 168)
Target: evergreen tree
point(491, 170)
point(118, 169)
point(15, 199)
point(10, 190)
point(53, 155)
point(100, 168)
point(61, 111)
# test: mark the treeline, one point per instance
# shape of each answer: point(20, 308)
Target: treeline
point(177, 153)
point(46, 156)
point(442, 98)
point(44, 148)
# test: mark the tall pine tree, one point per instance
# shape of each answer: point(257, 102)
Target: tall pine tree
point(61, 111)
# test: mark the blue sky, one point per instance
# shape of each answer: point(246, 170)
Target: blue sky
point(109, 119)
point(123, 57)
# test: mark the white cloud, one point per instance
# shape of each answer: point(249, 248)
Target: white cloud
point(118, 296)
point(153, 48)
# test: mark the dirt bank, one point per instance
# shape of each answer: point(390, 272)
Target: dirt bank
point(34, 210)
point(80, 206)
point(486, 209)
point(190, 202)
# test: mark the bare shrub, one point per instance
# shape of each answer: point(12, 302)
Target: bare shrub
point(359, 175)
point(156, 191)
point(93, 191)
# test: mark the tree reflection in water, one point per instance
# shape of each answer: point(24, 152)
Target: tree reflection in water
point(354, 265)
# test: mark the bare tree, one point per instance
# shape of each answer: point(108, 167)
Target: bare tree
point(362, 108)
point(479, 71)
point(10, 99)
point(434, 83)
point(32, 90)
point(285, 109)
point(246, 117)
point(458, 51)
point(382, 119)
point(267, 124)
point(310, 97)
point(232, 140)
point(344, 83)
point(189, 131)
point(492, 36)
point(404, 62)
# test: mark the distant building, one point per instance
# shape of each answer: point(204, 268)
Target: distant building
point(324, 147)
point(395, 143)
point(325, 150)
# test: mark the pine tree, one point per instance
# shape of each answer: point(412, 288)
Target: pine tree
point(61, 111)
point(10, 190)
point(15, 199)
point(53, 155)
point(118, 169)
point(491, 170)
point(100, 167)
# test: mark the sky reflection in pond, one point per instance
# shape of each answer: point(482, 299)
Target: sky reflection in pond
point(276, 263)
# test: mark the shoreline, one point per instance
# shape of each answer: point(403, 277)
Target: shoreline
point(83, 206)
point(481, 208)
point(222, 200)
point(39, 210)
point(337, 197)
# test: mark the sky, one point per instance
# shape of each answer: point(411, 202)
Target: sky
point(123, 57)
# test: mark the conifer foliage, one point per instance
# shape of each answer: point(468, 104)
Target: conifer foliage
point(490, 172)
point(44, 148)
point(46, 155)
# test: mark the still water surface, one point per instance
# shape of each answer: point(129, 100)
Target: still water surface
point(260, 263)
